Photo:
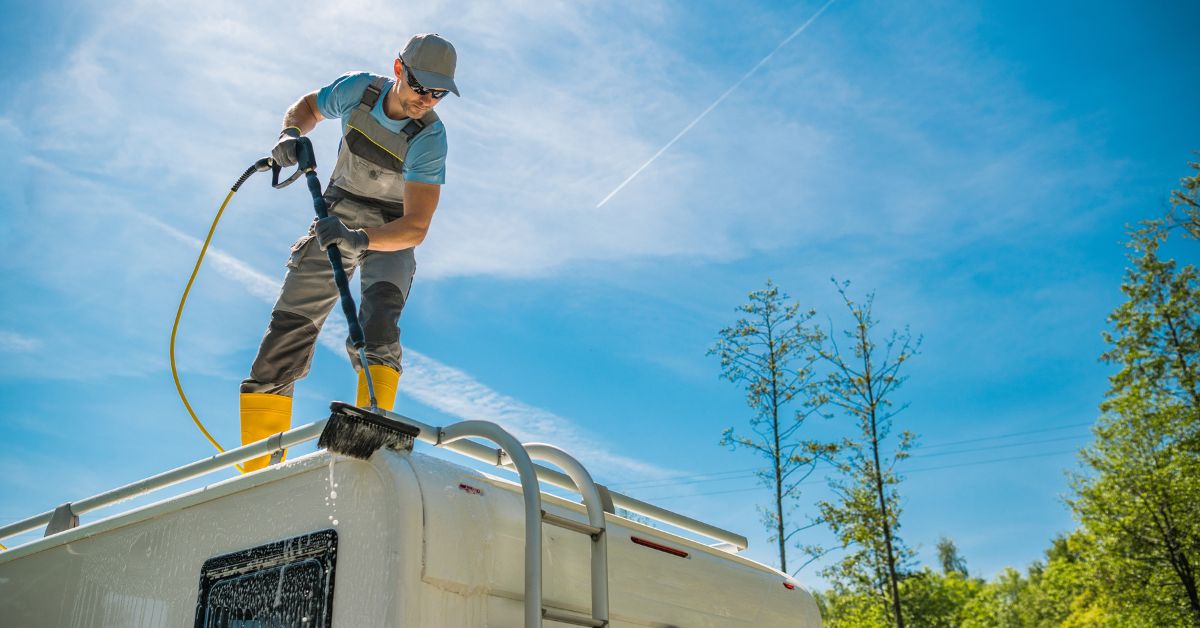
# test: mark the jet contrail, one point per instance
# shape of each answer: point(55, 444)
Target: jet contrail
point(715, 103)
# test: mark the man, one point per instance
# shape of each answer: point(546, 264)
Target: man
point(382, 194)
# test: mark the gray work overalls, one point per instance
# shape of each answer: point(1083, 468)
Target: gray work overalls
point(366, 189)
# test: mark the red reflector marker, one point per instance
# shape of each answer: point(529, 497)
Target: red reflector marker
point(662, 548)
point(789, 586)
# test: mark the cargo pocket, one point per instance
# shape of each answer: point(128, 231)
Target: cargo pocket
point(298, 250)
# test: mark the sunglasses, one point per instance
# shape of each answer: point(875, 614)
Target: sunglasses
point(437, 94)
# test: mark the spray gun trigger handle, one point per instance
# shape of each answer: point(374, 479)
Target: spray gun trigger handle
point(275, 170)
point(306, 161)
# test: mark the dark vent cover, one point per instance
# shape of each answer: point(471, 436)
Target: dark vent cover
point(287, 583)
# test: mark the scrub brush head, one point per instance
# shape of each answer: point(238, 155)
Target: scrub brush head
point(352, 431)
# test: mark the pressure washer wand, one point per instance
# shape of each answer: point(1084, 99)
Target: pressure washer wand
point(306, 163)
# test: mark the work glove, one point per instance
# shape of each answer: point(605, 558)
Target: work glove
point(331, 232)
point(284, 153)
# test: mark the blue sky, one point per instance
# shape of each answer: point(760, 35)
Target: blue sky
point(973, 164)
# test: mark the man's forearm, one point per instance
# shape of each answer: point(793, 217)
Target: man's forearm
point(420, 202)
point(397, 235)
point(303, 114)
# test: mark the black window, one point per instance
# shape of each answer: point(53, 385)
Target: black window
point(285, 584)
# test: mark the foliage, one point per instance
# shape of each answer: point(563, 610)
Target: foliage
point(1140, 497)
point(864, 515)
point(1057, 592)
point(847, 607)
point(938, 600)
point(1184, 213)
point(771, 351)
point(949, 558)
point(931, 600)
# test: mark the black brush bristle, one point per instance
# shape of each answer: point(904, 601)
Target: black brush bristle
point(352, 431)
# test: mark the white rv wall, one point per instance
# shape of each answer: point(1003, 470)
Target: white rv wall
point(421, 542)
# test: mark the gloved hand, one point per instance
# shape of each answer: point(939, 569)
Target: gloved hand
point(284, 152)
point(331, 232)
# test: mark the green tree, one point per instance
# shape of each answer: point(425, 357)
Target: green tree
point(1057, 593)
point(931, 600)
point(949, 558)
point(845, 607)
point(864, 516)
point(771, 351)
point(938, 600)
point(1140, 496)
point(1064, 591)
point(1184, 213)
point(998, 605)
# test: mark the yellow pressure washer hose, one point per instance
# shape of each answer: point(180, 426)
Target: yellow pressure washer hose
point(259, 166)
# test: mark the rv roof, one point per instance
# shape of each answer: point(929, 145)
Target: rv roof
point(66, 516)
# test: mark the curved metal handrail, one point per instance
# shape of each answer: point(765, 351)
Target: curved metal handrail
point(533, 504)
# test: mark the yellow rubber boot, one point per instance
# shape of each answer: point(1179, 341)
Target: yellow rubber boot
point(385, 378)
point(263, 415)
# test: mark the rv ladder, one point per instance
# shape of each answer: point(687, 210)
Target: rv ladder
point(521, 456)
point(596, 529)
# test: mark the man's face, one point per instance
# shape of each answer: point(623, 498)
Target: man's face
point(412, 104)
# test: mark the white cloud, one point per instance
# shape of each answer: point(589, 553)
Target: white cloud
point(427, 380)
point(177, 89)
point(456, 393)
point(256, 283)
point(564, 100)
point(445, 388)
point(13, 342)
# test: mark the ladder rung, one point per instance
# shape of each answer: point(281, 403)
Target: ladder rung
point(571, 524)
point(568, 617)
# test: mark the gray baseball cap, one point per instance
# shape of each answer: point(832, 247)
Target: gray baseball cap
point(431, 59)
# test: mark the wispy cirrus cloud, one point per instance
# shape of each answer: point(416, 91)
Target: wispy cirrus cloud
point(804, 152)
point(14, 342)
point(534, 142)
point(443, 387)
point(455, 392)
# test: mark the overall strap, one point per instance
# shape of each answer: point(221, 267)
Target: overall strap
point(411, 129)
point(416, 125)
point(371, 93)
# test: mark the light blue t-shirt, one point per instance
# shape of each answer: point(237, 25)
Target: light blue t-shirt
point(426, 159)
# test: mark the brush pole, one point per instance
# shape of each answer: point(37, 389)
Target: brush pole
point(339, 272)
point(362, 360)
point(307, 162)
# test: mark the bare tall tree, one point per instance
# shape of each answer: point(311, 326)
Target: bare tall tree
point(862, 381)
point(770, 351)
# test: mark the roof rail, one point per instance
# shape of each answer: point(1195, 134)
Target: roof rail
point(283, 440)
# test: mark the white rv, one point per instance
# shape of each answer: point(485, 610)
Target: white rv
point(401, 539)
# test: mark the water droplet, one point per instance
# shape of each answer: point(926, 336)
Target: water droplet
point(332, 494)
point(335, 522)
